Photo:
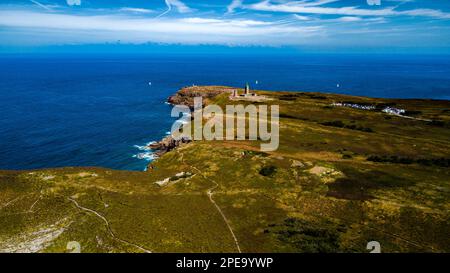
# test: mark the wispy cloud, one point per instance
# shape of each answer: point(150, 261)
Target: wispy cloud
point(302, 17)
point(343, 19)
point(316, 7)
point(234, 5)
point(47, 27)
point(349, 19)
point(226, 23)
point(40, 5)
point(180, 6)
point(235, 22)
point(312, 3)
point(136, 10)
point(73, 2)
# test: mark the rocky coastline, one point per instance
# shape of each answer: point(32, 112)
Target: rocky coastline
point(184, 96)
point(167, 144)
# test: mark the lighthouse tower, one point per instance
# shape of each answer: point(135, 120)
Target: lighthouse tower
point(247, 90)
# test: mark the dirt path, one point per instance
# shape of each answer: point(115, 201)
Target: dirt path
point(210, 193)
point(30, 210)
point(108, 226)
point(368, 225)
point(11, 202)
point(414, 118)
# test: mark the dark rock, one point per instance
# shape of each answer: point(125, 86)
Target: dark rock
point(167, 144)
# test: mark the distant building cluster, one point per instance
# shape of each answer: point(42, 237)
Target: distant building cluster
point(247, 92)
point(354, 105)
point(394, 111)
point(387, 110)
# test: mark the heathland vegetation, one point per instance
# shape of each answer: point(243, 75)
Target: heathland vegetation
point(340, 178)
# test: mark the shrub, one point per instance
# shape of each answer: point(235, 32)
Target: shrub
point(368, 130)
point(412, 113)
point(440, 162)
point(318, 97)
point(438, 123)
point(288, 97)
point(252, 153)
point(340, 124)
point(336, 123)
point(284, 115)
point(268, 170)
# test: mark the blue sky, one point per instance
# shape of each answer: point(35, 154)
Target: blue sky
point(414, 25)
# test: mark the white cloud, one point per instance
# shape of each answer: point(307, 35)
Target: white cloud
point(343, 19)
point(426, 12)
point(311, 3)
point(234, 5)
point(40, 4)
point(51, 28)
point(180, 6)
point(315, 7)
point(302, 17)
point(136, 10)
point(73, 2)
point(224, 23)
point(349, 19)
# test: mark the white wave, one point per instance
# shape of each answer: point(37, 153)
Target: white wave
point(145, 147)
point(142, 148)
point(149, 156)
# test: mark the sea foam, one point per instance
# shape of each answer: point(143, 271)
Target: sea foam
point(148, 154)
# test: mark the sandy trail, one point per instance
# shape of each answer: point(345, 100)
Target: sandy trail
point(108, 226)
point(210, 194)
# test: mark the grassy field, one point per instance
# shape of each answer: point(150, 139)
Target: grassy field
point(341, 177)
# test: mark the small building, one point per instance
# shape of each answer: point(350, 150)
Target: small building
point(235, 93)
point(247, 91)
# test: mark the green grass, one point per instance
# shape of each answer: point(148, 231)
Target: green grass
point(326, 189)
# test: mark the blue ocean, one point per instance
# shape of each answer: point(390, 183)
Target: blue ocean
point(91, 110)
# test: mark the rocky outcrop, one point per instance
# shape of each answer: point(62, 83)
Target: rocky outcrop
point(167, 144)
point(186, 95)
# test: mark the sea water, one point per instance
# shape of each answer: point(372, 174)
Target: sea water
point(91, 110)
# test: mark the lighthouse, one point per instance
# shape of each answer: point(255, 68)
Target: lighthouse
point(247, 90)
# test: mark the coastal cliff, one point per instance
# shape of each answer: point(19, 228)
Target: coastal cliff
point(186, 95)
point(345, 173)
point(167, 144)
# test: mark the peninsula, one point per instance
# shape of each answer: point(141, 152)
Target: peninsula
point(348, 170)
